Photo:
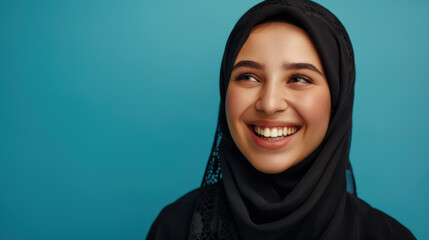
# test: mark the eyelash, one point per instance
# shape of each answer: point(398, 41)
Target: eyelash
point(246, 76)
point(293, 79)
point(304, 79)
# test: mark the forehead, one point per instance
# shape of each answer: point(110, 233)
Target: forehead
point(272, 42)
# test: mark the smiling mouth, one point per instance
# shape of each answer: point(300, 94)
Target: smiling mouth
point(274, 133)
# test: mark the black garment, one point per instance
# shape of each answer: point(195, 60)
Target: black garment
point(307, 201)
point(174, 221)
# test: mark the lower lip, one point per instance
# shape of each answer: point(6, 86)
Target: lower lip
point(270, 144)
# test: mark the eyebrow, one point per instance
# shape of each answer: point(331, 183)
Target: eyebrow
point(297, 66)
point(249, 64)
point(287, 66)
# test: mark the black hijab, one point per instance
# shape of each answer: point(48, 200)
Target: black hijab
point(308, 200)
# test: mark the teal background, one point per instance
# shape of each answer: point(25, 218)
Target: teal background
point(108, 110)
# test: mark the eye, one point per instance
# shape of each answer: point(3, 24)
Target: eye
point(299, 79)
point(247, 77)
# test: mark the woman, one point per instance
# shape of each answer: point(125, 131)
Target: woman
point(279, 167)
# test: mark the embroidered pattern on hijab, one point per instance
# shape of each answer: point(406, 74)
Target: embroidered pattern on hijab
point(308, 200)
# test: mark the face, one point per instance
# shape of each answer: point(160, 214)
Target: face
point(278, 103)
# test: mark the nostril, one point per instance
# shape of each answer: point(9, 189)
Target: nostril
point(271, 100)
point(271, 107)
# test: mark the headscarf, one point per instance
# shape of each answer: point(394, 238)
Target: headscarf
point(308, 200)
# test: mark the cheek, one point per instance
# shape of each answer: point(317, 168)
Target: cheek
point(231, 103)
point(235, 104)
point(316, 109)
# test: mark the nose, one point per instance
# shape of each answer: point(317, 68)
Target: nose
point(272, 99)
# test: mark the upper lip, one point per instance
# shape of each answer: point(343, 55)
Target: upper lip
point(272, 123)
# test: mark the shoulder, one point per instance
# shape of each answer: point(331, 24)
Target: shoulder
point(372, 223)
point(174, 219)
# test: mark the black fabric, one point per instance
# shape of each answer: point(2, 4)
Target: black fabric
point(174, 220)
point(309, 200)
point(364, 223)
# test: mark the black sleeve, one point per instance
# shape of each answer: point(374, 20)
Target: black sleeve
point(174, 220)
point(366, 222)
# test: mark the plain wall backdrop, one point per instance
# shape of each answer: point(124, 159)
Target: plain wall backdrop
point(108, 110)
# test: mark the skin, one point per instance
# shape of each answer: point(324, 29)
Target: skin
point(278, 90)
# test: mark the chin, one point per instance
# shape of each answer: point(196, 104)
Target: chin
point(272, 165)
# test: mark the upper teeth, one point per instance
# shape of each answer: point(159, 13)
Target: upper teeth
point(275, 132)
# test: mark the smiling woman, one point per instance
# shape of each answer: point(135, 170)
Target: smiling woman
point(278, 103)
point(279, 166)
